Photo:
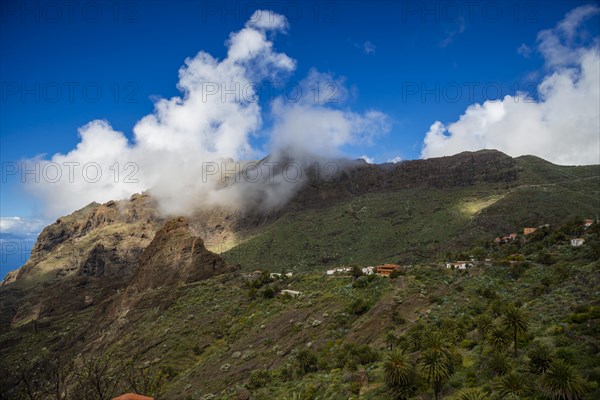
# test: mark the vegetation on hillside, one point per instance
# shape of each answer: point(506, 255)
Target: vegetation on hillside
point(523, 324)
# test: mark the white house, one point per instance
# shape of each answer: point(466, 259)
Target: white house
point(278, 275)
point(338, 270)
point(368, 270)
point(458, 265)
point(577, 242)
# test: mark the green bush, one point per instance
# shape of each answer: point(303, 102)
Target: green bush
point(259, 378)
point(359, 306)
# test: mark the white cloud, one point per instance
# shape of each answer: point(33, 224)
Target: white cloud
point(208, 124)
point(452, 33)
point(524, 50)
point(559, 46)
point(561, 126)
point(369, 47)
point(395, 160)
point(21, 227)
point(368, 159)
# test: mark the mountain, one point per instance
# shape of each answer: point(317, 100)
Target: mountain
point(121, 279)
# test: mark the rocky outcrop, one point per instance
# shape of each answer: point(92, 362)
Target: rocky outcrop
point(100, 240)
point(174, 256)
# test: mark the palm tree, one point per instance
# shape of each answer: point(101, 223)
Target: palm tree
point(438, 342)
point(513, 384)
point(498, 338)
point(471, 394)
point(540, 358)
point(484, 324)
point(306, 361)
point(498, 364)
point(399, 373)
point(436, 368)
point(562, 382)
point(515, 321)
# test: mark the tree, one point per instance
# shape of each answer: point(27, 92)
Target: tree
point(306, 361)
point(498, 338)
point(484, 324)
point(515, 321)
point(96, 378)
point(436, 368)
point(144, 380)
point(540, 358)
point(513, 384)
point(356, 272)
point(399, 373)
point(562, 382)
point(498, 364)
point(29, 380)
point(59, 374)
point(391, 339)
point(471, 394)
point(438, 360)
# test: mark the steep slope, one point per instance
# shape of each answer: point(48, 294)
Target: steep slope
point(176, 256)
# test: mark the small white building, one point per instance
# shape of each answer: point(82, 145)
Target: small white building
point(293, 293)
point(577, 242)
point(458, 265)
point(274, 275)
point(368, 270)
point(338, 271)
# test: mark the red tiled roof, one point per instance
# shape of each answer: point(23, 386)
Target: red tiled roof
point(132, 396)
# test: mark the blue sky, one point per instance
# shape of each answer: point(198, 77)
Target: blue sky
point(55, 58)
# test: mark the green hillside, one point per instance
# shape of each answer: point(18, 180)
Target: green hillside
point(231, 335)
point(422, 223)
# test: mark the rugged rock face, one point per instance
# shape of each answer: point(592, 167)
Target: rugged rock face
point(100, 240)
point(175, 255)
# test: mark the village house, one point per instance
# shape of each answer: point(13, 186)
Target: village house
point(588, 222)
point(274, 275)
point(252, 275)
point(368, 270)
point(386, 269)
point(338, 270)
point(458, 265)
point(293, 293)
point(506, 239)
point(577, 242)
point(527, 231)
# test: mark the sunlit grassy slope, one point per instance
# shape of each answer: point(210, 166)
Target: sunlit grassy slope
point(422, 223)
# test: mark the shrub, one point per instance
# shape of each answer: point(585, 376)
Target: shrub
point(306, 361)
point(361, 282)
point(359, 306)
point(259, 378)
